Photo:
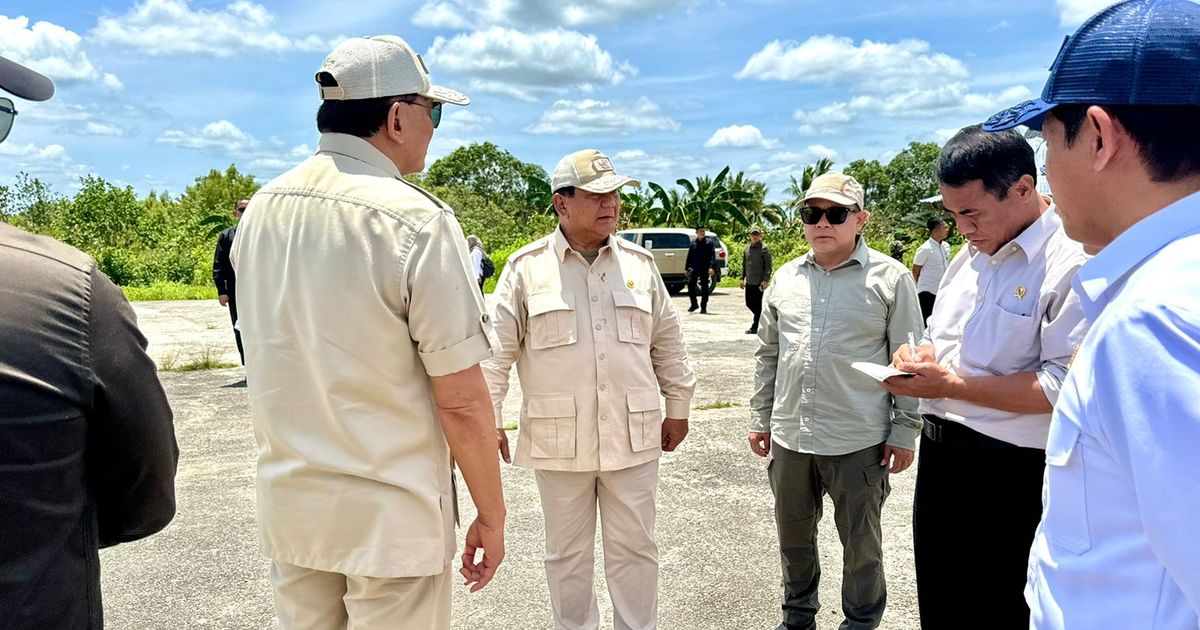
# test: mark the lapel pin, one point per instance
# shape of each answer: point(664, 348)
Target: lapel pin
point(629, 284)
point(1019, 293)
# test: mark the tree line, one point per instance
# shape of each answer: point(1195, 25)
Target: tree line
point(161, 238)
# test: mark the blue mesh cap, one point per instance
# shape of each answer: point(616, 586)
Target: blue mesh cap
point(1137, 52)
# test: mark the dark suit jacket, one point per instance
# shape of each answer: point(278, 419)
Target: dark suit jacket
point(87, 442)
point(702, 255)
point(222, 268)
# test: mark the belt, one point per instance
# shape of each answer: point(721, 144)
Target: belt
point(944, 431)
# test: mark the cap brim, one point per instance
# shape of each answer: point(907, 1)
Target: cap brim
point(23, 82)
point(609, 183)
point(1030, 113)
point(443, 94)
point(834, 197)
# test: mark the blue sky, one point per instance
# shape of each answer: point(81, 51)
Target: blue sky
point(153, 93)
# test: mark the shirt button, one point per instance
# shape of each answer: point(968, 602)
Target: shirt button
point(979, 298)
point(597, 326)
point(808, 419)
point(595, 299)
point(816, 330)
point(826, 274)
point(822, 300)
point(995, 262)
point(602, 355)
point(603, 387)
point(809, 390)
point(604, 417)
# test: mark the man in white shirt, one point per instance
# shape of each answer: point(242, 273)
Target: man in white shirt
point(1117, 546)
point(929, 265)
point(988, 371)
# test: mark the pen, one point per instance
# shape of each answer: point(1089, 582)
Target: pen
point(912, 347)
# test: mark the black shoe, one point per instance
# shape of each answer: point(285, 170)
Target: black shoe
point(693, 308)
point(791, 626)
point(704, 311)
point(751, 331)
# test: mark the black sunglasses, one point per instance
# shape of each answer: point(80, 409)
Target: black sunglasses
point(435, 110)
point(8, 111)
point(811, 215)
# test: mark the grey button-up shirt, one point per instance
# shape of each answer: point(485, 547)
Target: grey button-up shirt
point(815, 323)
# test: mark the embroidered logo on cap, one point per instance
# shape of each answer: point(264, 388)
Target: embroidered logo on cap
point(602, 164)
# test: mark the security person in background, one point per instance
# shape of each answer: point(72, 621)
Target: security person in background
point(929, 265)
point(756, 275)
point(223, 275)
point(701, 267)
point(589, 323)
point(988, 372)
point(87, 443)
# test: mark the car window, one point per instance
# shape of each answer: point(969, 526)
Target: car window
point(667, 240)
point(712, 240)
point(629, 236)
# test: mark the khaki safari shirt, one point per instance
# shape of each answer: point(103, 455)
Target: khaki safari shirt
point(815, 323)
point(354, 288)
point(594, 345)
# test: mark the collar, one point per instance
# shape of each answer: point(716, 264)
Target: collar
point(558, 241)
point(358, 149)
point(1032, 239)
point(861, 255)
point(1100, 279)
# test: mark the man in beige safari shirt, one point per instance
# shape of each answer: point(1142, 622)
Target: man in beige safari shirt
point(363, 330)
point(589, 323)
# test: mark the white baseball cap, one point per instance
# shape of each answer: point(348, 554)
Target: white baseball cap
point(589, 170)
point(381, 65)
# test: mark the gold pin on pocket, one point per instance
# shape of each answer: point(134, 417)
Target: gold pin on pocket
point(1019, 293)
point(629, 284)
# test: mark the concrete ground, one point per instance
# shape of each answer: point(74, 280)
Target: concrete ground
point(717, 547)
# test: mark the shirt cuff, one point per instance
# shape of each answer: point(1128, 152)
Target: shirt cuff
point(760, 422)
point(499, 412)
point(903, 437)
point(679, 408)
point(458, 357)
point(1050, 377)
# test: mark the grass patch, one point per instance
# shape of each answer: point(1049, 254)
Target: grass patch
point(206, 358)
point(170, 291)
point(510, 426)
point(720, 404)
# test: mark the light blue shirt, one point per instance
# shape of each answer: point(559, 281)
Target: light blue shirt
point(1119, 541)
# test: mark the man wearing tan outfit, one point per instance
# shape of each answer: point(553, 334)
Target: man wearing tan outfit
point(363, 329)
point(590, 325)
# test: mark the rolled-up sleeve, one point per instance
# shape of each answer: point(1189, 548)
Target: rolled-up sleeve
point(1062, 330)
point(446, 315)
point(904, 320)
point(766, 362)
point(668, 355)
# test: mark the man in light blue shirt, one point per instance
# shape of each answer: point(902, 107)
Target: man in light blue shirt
point(1118, 543)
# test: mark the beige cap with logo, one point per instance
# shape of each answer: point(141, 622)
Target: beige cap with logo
point(589, 170)
point(838, 188)
point(382, 65)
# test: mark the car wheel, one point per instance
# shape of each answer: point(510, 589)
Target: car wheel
point(675, 288)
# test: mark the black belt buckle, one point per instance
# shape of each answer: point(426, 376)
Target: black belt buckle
point(932, 428)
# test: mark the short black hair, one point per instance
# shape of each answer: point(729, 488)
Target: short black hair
point(935, 223)
point(996, 159)
point(566, 191)
point(1168, 136)
point(362, 117)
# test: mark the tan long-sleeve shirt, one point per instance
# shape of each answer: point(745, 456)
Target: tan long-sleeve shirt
point(594, 345)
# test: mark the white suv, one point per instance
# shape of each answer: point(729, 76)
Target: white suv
point(670, 249)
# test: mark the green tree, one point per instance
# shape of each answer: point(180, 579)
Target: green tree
point(210, 199)
point(490, 172)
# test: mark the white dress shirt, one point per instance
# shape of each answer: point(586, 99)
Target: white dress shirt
point(933, 257)
point(1119, 541)
point(1009, 313)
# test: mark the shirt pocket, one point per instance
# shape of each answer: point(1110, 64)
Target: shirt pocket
point(1065, 516)
point(645, 419)
point(634, 320)
point(1002, 342)
point(550, 425)
point(551, 320)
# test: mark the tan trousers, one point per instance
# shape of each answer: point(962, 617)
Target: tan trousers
point(626, 500)
point(307, 599)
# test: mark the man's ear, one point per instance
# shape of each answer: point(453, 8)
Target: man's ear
point(1106, 138)
point(391, 125)
point(861, 219)
point(560, 204)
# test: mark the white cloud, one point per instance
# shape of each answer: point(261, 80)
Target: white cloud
point(813, 153)
point(664, 167)
point(1002, 25)
point(740, 136)
point(50, 162)
point(172, 27)
point(457, 14)
point(526, 65)
point(942, 100)
point(873, 67)
point(222, 136)
point(462, 120)
point(92, 119)
point(591, 117)
point(827, 120)
point(52, 50)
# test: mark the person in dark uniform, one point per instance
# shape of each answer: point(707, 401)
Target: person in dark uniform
point(223, 275)
point(756, 275)
point(701, 265)
point(87, 441)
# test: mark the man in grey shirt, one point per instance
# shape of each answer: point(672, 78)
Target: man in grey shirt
point(756, 275)
point(827, 427)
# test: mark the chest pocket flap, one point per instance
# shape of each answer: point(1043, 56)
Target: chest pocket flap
point(1065, 522)
point(634, 320)
point(551, 320)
